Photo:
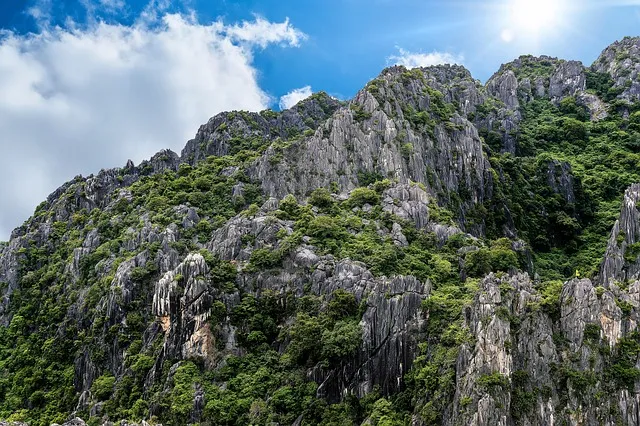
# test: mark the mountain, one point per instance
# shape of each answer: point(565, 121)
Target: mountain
point(433, 251)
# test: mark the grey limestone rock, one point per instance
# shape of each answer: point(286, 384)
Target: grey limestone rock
point(621, 60)
point(621, 262)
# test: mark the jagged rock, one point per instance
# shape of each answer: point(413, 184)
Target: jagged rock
point(568, 79)
point(398, 237)
point(385, 143)
point(222, 131)
point(227, 242)
point(622, 61)
point(597, 108)
point(181, 302)
point(621, 260)
point(391, 325)
point(579, 306)
point(409, 202)
point(504, 86)
point(560, 179)
point(491, 333)
point(516, 345)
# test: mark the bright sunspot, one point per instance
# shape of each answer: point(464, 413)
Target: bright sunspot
point(528, 18)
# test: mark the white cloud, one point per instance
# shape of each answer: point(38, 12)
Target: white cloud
point(295, 96)
point(263, 32)
point(78, 100)
point(40, 11)
point(415, 60)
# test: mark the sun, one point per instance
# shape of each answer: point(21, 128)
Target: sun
point(532, 17)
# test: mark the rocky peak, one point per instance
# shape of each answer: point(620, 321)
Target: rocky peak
point(401, 126)
point(230, 132)
point(530, 77)
point(621, 61)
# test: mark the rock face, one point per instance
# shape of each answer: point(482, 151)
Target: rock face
point(621, 262)
point(524, 359)
point(621, 62)
point(397, 128)
point(391, 324)
point(156, 291)
point(560, 179)
point(182, 304)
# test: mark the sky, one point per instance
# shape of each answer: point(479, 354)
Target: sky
point(89, 84)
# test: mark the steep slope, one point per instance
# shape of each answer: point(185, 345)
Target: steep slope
point(399, 127)
point(405, 257)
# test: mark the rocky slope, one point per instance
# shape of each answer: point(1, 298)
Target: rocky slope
point(433, 251)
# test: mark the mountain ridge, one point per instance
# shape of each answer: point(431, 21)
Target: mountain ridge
point(188, 151)
point(433, 251)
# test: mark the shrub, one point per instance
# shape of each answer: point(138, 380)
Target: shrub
point(289, 209)
point(103, 386)
point(321, 198)
point(361, 196)
point(342, 305)
point(325, 228)
point(493, 382)
point(592, 332)
point(480, 262)
point(366, 178)
point(342, 341)
point(264, 258)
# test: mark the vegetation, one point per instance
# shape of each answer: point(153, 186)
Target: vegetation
point(86, 287)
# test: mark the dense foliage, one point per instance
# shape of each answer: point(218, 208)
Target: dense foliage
point(552, 206)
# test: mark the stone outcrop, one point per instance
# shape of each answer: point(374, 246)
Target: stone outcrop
point(521, 357)
point(621, 60)
point(391, 328)
point(380, 135)
point(222, 132)
point(622, 258)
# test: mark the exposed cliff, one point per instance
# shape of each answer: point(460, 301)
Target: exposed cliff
point(432, 251)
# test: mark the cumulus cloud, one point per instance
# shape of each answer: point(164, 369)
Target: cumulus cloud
point(416, 59)
point(78, 100)
point(295, 96)
point(263, 32)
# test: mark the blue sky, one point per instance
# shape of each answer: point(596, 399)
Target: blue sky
point(350, 41)
point(88, 84)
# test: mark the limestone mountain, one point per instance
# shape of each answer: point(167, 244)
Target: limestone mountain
point(433, 251)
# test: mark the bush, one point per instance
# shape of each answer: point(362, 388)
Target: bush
point(306, 340)
point(324, 228)
point(288, 208)
point(550, 292)
point(361, 196)
point(264, 258)
point(495, 259)
point(342, 341)
point(592, 332)
point(366, 178)
point(321, 198)
point(342, 305)
point(493, 382)
point(103, 386)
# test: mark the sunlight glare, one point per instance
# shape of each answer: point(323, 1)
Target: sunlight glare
point(535, 15)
